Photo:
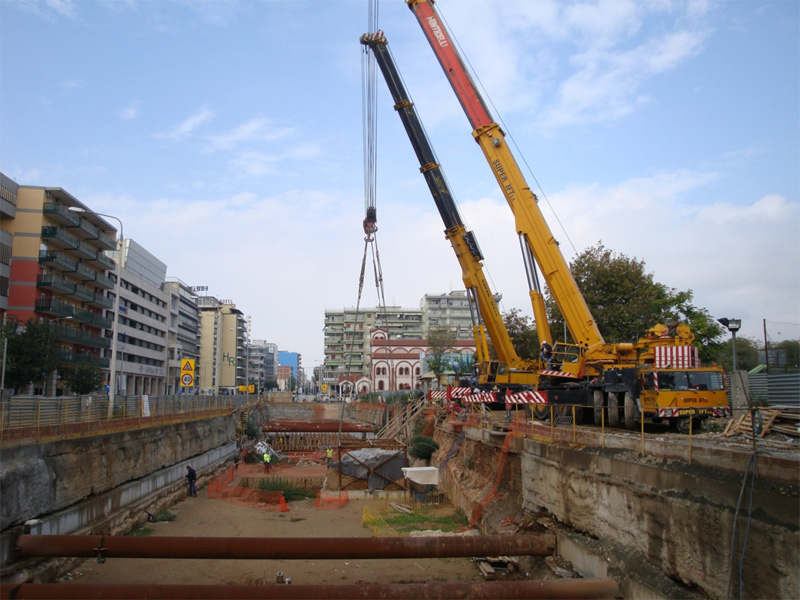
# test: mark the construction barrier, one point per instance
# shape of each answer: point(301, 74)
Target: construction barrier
point(331, 499)
point(222, 488)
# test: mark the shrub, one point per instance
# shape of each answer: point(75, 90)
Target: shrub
point(422, 447)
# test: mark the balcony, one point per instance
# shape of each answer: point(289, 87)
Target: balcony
point(100, 300)
point(83, 358)
point(76, 336)
point(54, 307)
point(84, 293)
point(56, 283)
point(58, 261)
point(87, 229)
point(103, 261)
point(86, 251)
point(93, 319)
point(105, 281)
point(86, 273)
point(59, 237)
point(60, 214)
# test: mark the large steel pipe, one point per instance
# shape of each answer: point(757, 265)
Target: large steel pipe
point(552, 588)
point(329, 426)
point(283, 548)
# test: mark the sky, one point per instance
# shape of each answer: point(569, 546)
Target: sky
point(228, 139)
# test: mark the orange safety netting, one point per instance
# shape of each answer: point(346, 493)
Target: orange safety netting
point(220, 488)
point(331, 499)
point(477, 510)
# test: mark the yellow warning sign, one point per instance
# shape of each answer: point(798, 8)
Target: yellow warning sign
point(187, 372)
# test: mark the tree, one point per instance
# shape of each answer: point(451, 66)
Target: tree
point(462, 364)
point(524, 336)
point(83, 378)
point(746, 354)
point(626, 301)
point(32, 352)
point(440, 343)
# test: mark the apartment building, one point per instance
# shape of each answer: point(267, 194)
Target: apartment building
point(8, 210)
point(223, 346)
point(449, 310)
point(59, 272)
point(347, 337)
point(183, 331)
point(143, 323)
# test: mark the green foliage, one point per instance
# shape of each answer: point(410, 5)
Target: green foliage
point(746, 354)
point(523, 334)
point(140, 532)
point(420, 520)
point(422, 447)
point(290, 492)
point(462, 364)
point(251, 430)
point(626, 301)
point(166, 515)
point(83, 379)
point(440, 343)
point(792, 349)
point(32, 351)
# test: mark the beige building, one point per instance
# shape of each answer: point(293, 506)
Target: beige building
point(222, 364)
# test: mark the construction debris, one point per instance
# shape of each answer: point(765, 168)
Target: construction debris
point(744, 424)
point(492, 566)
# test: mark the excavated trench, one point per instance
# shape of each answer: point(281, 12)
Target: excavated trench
point(660, 527)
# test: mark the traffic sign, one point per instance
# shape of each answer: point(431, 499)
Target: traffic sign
point(187, 380)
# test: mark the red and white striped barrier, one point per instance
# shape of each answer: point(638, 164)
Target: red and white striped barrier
point(559, 374)
point(677, 357)
point(484, 397)
point(528, 397)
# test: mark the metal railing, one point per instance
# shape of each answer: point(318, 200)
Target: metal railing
point(33, 419)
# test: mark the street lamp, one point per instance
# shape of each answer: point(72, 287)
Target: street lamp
point(112, 377)
point(733, 326)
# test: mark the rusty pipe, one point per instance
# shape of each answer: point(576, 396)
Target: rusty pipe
point(283, 548)
point(551, 588)
point(326, 426)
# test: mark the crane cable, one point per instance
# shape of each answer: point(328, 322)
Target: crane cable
point(369, 103)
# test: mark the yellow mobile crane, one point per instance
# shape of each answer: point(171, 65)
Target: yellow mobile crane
point(486, 317)
point(659, 376)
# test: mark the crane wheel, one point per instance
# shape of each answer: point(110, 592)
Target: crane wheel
point(599, 403)
point(613, 409)
point(632, 416)
point(541, 412)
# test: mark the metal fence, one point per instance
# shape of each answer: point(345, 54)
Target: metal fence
point(774, 390)
point(28, 419)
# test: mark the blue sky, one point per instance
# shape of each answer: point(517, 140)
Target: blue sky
point(227, 136)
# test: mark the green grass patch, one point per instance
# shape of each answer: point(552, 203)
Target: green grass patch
point(165, 515)
point(290, 492)
point(404, 523)
point(140, 531)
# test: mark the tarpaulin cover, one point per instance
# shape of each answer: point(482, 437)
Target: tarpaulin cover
point(422, 475)
point(379, 467)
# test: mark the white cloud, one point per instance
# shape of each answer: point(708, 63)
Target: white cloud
point(131, 111)
point(185, 128)
point(256, 130)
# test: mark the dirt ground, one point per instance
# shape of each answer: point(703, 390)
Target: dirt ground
point(201, 516)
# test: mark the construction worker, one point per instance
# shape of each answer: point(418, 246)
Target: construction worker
point(547, 353)
point(267, 460)
point(329, 455)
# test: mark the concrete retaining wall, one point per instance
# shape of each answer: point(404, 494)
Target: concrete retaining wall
point(679, 518)
point(44, 478)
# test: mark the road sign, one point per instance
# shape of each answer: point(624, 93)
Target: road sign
point(187, 380)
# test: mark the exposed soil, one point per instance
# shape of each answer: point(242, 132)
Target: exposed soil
point(201, 516)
